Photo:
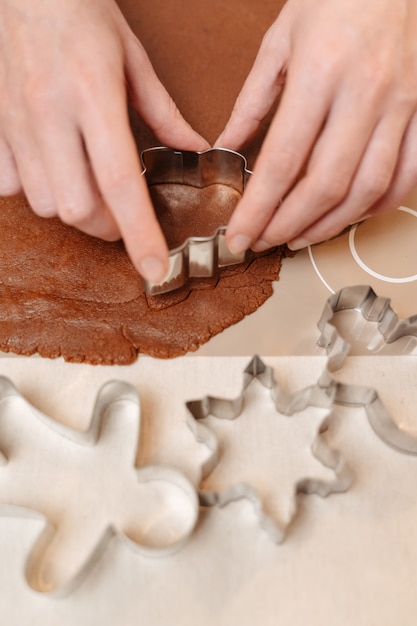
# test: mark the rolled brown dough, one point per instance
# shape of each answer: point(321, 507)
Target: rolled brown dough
point(63, 293)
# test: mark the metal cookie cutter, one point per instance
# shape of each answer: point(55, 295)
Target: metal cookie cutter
point(288, 404)
point(170, 524)
point(197, 257)
point(377, 310)
point(327, 392)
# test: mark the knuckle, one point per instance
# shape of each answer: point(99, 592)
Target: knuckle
point(328, 66)
point(89, 87)
point(37, 96)
point(285, 165)
point(375, 186)
point(270, 39)
point(74, 214)
point(239, 111)
point(116, 179)
point(331, 190)
point(92, 80)
point(327, 231)
point(170, 118)
point(325, 63)
point(404, 97)
point(246, 114)
point(379, 77)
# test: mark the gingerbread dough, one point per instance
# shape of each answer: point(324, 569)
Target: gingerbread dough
point(63, 293)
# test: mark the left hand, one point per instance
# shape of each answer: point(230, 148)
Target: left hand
point(343, 142)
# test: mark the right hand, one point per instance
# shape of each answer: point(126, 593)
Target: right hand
point(343, 142)
point(66, 68)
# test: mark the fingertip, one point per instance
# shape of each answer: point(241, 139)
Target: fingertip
point(181, 136)
point(148, 251)
point(261, 245)
point(226, 140)
point(197, 144)
point(147, 247)
point(299, 243)
point(153, 268)
point(238, 243)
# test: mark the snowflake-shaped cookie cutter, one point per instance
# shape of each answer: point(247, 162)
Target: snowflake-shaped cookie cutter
point(287, 404)
point(123, 397)
point(196, 257)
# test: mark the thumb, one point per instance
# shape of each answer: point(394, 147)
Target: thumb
point(261, 89)
point(154, 104)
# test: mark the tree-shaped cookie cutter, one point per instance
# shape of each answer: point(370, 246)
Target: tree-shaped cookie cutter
point(196, 257)
point(123, 398)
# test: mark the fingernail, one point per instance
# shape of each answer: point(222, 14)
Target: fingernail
point(298, 244)
point(239, 244)
point(152, 269)
point(261, 245)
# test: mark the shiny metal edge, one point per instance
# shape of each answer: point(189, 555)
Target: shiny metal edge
point(196, 257)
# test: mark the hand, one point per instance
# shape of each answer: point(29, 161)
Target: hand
point(343, 142)
point(65, 139)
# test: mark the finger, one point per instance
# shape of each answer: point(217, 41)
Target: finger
point(371, 181)
point(260, 91)
point(304, 106)
point(404, 179)
point(154, 104)
point(115, 164)
point(76, 196)
point(32, 173)
point(331, 169)
point(9, 176)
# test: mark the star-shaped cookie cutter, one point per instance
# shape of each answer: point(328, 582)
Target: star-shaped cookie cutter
point(197, 257)
point(123, 397)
